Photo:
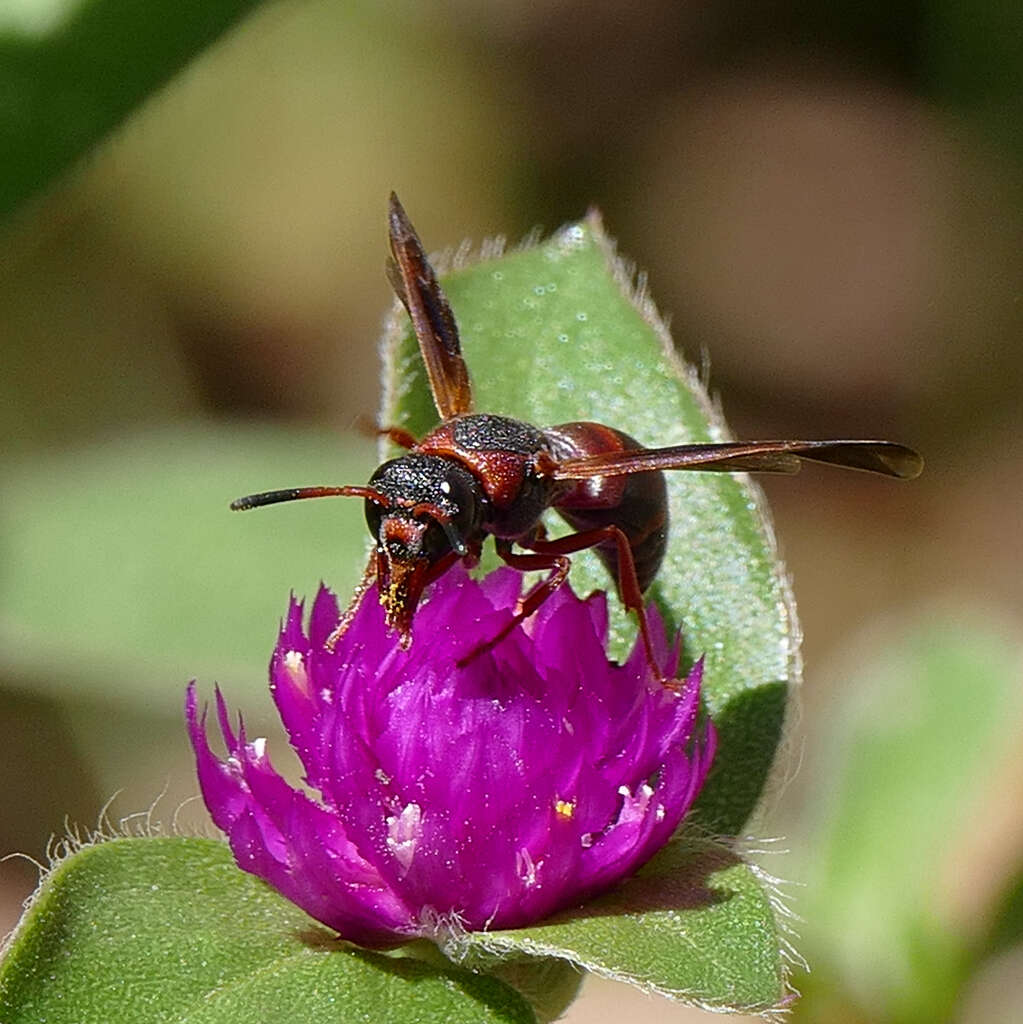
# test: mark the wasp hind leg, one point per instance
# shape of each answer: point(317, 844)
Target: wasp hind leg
point(629, 592)
point(557, 566)
point(552, 555)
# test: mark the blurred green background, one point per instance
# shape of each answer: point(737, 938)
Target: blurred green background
point(827, 199)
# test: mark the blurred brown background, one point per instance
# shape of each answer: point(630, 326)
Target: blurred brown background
point(826, 199)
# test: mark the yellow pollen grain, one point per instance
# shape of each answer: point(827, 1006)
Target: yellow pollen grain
point(392, 596)
point(564, 809)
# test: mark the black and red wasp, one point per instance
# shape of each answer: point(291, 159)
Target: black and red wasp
point(478, 474)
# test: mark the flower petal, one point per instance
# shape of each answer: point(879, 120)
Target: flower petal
point(486, 792)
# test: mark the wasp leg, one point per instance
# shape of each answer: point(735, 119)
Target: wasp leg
point(557, 567)
point(396, 435)
point(552, 556)
point(629, 590)
point(369, 576)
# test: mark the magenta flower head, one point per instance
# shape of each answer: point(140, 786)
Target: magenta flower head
point(483, 796)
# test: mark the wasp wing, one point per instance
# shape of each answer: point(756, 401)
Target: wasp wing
point(416, 284)
point(884, 457)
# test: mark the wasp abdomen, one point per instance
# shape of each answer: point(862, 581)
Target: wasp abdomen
point(637, 503)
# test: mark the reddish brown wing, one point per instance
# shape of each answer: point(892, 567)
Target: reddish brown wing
point(416, 284)
point(884, 457)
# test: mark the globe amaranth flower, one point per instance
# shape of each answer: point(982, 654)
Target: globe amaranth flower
point(482, 796)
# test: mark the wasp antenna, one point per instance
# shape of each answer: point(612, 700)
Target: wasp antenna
point(298, 493)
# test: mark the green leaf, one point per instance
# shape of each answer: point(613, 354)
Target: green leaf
point(549, 984)
point(70, 70)
point(1007, 927)
point(695, 925)
point(554, 333)
point(124, 570)
point(971, 57)
point(161, 930)
point(931, 715)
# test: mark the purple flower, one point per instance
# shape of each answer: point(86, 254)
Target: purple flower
point(487, 796)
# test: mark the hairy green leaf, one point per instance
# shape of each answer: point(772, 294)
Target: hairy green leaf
point(695, 924)
point(169, 930)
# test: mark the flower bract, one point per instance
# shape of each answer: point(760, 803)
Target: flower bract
point(483, 796)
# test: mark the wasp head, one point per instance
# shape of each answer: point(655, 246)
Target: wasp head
point(426, 513)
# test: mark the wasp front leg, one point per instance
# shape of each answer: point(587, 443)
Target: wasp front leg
point(369, 577)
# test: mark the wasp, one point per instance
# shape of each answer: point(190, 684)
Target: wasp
point(479, 475)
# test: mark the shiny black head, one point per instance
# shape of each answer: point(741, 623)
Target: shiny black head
point(424, 509)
